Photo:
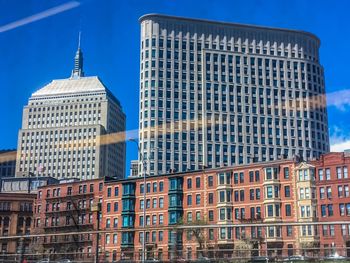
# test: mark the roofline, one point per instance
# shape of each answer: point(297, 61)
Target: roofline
point(206, 170)
point(76, 181)
point(107, 91)
point(151, 15)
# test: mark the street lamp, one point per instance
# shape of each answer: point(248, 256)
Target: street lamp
point(143, 258)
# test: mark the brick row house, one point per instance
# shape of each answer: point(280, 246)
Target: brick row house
point(273, 209)
point(67, 207)
point(333, 201)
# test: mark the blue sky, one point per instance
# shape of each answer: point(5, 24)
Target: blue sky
point(33, 54)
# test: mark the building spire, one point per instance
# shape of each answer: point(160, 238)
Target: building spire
point(78, 72)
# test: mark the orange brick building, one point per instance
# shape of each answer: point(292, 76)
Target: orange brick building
point(16, 212)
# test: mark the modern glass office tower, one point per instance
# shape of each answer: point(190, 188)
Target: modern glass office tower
point(215, 94)
point(69, 130)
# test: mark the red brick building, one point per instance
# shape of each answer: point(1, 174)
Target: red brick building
point(234, 197)
point(333, 202)
point(273, 209)
point(67, 207)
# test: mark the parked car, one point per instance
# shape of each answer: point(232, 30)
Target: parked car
point(335, 256)
point(64, 260)
point(295, 258)
point(259, 259)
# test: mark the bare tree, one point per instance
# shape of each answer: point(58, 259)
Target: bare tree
point(199, 233)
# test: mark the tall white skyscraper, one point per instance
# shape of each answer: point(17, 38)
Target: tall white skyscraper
point(215, 94)
point(62, 128)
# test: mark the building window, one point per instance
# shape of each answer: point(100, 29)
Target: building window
point(320, 174)
point(210, 198)
point(330, 210)
point(161, 186)
point(198, 182)
point(198, 199)
point(251, 194)
point(345, 171)
point(324, 230)
point(210, 181)
point(116, 191)
point(241, 177)
point(348, 209)
point(323, 210)
point(288, 210)
point(339, 173)
point(109, 192)
point(189, 200)
point(269, 192)
point(342, 209)
point(142, 203)
point(155, 187)
point(211, 234)
point(329, 192)
point(189, 183)
point(322, 193)
point(257, 176)
point(286, 172)
point(251, 176)
point(270, 210)
point(160, 236)
point(287, 191)
point(241, 195)
point(257, 194)
point(331, 230)
point(108, 207)
point(328, 174)
point(235, 178)
point(211, 215)
point(198, 216)
point(340, 191)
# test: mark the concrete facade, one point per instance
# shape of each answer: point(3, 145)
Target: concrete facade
point(216, 94)
point(66, 127)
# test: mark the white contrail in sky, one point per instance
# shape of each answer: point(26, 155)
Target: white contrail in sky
point(39, 16)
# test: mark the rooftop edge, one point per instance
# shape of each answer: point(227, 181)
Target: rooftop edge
point(151, 15)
